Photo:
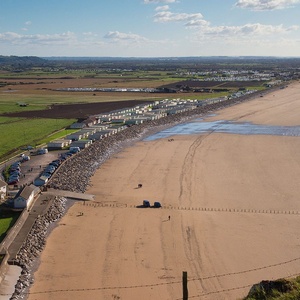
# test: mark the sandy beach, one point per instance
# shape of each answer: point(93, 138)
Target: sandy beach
point(233, 202)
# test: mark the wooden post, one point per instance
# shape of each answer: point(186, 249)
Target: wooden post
point(184, 286)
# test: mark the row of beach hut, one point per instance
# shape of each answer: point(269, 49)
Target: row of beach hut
point(100, 126)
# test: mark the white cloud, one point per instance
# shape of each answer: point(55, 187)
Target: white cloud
point(28, 23)
point(167, 16)
point(246, 32)
point(89, 34)
point(265, 4)
point(117, 36)
point(159, 1)
point(46, 39)
point(197, 23)
point(161, 8)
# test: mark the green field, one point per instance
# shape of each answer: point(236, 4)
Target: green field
point(21, 132)
point(6, 222)
point(8, 106)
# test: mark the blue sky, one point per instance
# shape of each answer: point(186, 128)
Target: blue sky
point(150, 28)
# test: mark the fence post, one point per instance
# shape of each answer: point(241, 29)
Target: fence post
point(184, 286)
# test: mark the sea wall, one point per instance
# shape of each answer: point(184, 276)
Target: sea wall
point(34, 244)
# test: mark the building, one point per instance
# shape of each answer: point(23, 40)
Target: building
point(81, 144)
point(3, 189)
point(58, 144)
point(25, 198)
point(77, 125)
point(96, 136)
point(74, 136)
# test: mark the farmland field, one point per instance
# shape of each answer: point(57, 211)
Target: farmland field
point(33, 104)
point(21, 132)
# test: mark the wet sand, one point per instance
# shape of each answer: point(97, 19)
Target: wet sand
point(233, 202)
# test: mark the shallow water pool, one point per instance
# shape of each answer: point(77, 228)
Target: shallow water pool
point(199, 127)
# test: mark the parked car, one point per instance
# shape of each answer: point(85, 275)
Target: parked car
point(74, 150)
point(13, 181)
point(42, 151)
point(157, 205)
point(18, 173)
point(49, 170)
point(27, 147)
point(46, 174)
point(146, 203)
point(25, 158)
point(63, 157)
point(55, 163)
point(14, 175)
point(11, 171)
point(17, 163)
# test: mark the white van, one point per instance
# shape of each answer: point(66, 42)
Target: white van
point(74, 149)
point(42, 151)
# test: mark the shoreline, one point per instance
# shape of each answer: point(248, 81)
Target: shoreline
point(91, 158)
point(117, 143)
point(138, 133)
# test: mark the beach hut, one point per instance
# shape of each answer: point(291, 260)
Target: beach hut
point(96, 136)
point(58, 144)
point(75, 136)
point(77, 125)
point(133, 121)
point(81, 144)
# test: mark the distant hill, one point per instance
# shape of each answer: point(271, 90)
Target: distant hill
point(21, 61)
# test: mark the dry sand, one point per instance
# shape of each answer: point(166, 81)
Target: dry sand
point(223, 193)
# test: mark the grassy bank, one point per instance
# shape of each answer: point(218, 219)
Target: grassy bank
point(21, 132)
point(7, 220)
point(281, 289)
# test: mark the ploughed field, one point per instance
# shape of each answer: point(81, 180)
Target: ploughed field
point(214, 84)
point(75, 111)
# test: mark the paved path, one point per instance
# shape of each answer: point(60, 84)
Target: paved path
point(68, 194)
point(39, 207)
